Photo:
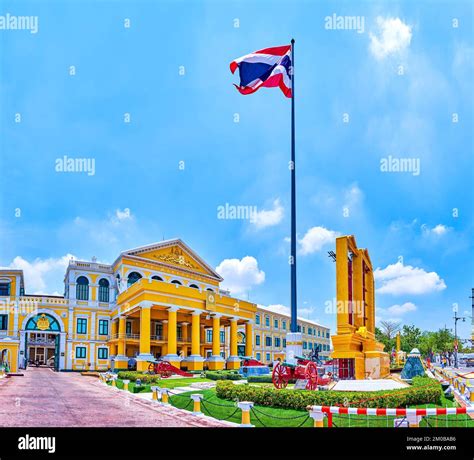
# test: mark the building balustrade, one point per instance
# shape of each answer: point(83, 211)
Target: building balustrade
point(41, 342)
point(125, 336)
point(11, 334)
point(101, 337)
point(43, 300)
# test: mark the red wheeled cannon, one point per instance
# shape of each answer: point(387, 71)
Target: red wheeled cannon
point(304, 369)
point(249, 361)
point(165, 369)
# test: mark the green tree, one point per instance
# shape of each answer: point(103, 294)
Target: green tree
point(436, 342)
point(410, 338)
point(389, 328)
point(382, 337)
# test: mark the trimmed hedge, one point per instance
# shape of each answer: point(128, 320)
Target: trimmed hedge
point(423, 391)
point(140, 389)
point(133, 376)
point(223, 375)
point(260, 379)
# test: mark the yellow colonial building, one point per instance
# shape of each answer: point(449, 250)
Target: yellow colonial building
point(270, 332)
point(160, 300)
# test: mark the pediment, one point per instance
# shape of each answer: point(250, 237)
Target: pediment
point(176, 254)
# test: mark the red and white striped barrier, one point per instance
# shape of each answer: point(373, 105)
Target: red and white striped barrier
point(387, 411)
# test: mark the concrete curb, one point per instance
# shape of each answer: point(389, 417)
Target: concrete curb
point(194, 420)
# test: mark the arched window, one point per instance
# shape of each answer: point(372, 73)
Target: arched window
point(209, 289)
point(194, 286)
point(5, 287)
point(177, 282)
point(157, 278)
point(104, 290)
point(133, 278)
point(82, 288)
point(43, 322)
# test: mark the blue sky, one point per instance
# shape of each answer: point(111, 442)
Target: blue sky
point(399, 81)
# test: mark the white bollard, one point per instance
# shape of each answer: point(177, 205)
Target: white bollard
point(317, 416)
point(197, 403)
point(245, 406)
point(155, 390)
point(164, 396)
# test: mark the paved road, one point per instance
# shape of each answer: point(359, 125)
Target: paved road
point(44, 398)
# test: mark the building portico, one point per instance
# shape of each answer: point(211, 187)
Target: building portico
point(183, 324)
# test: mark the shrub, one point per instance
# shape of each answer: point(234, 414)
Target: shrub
point(423, 391)
point(259, 379)
point(140, 389)
point(133, 376)
point(223, 375)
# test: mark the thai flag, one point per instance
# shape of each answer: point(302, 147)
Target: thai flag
point(269, 67)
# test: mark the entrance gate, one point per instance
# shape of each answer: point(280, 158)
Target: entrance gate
point(47, 324)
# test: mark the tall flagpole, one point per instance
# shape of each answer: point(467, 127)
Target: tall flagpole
point(294, 325)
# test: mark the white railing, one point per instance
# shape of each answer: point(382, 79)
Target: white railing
point(91, 265)
point(43, 300)
point(41, 342)
point(11, 334)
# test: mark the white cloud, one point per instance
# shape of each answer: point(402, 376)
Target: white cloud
point(315, 238)
point(393, 36)
point(438, 230)
point(399, 310)
point(268, 218)
point(353, 196)
point(240, 275)
point(277, 308)
point(42, 276)
point(123, 215)
point(399, 279)
point(118, 229)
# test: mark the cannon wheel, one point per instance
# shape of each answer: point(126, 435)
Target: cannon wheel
point(151, 368)
point(163, 369)
point(280, 376)
point(311, 374)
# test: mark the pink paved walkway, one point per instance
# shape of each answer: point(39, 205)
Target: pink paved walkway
point(45, 398)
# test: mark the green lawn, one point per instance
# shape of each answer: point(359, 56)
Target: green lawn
point(180, 382)
point(264, 416)
point(165, 383)
point(223, 409)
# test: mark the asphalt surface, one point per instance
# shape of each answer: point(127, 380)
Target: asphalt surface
point(44, 398)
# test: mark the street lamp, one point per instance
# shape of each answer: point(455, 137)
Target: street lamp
point(456, 319)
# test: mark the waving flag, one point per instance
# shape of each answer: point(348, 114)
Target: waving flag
point(269, 67)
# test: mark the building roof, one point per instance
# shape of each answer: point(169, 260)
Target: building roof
point(288, 315)
point(168, 243)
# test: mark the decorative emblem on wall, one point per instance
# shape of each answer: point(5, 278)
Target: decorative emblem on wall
point(43, 323)
point(176, 256)
point(210, 301)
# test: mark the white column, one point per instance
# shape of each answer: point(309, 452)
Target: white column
point(93, 326)
point(15, 318)
point(71, 323)
point(112, 296)
point(92, 355)
point(62, 350)
point(68, 349)
point(22, 354)
point(69, 354)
